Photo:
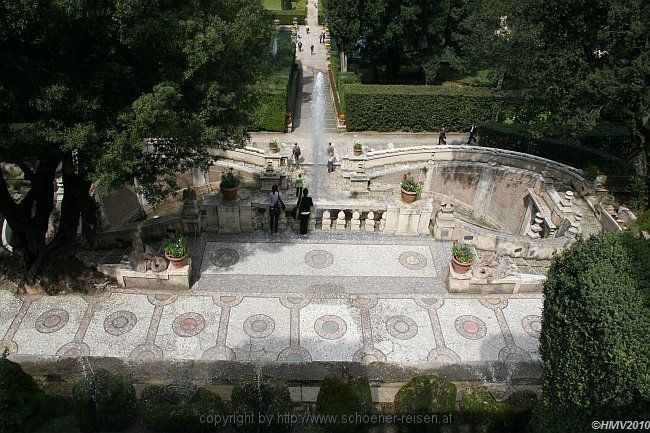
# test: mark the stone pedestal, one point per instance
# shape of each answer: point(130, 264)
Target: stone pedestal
point(444, 226)
point(271, 176)
point(170, 279)
point(359, 180)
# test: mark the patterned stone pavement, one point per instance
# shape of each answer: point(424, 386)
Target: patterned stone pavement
point(221, 318)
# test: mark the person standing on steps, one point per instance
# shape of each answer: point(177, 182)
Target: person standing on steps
point(442, 137)
point(472, 134)
point(330, 149)
point(304, 207)
point(299, 46)
point(312, 49)
point(300, 182)
point(275, 203)
point(296, 154)
point(330, 163)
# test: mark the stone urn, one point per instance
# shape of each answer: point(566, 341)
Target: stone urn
point(177, 262)
point(408, 197)
point(230, 193)
point(460, 267)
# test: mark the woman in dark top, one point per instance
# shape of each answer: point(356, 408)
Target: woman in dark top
point(304, 207)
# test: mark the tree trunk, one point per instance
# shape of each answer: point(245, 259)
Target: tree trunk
point(343, 59)
point(392, 69)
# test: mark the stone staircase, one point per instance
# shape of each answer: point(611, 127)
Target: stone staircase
point(330, 111)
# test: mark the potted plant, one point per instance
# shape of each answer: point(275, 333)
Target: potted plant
point(342, 119)
point(176, 250)
point(273, 145)
point(358, 148)
point(462, 257)
point(410, 188)
point(229, 185)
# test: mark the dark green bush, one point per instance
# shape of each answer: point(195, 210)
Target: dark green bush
point(594, 341)
point(178, 408)
point(483, 413)
point(104, 401)
point(344, 399)
point(23, 406)
point(275, 89)
point(286, 17)
point(423, 108)
point(531, 139)
point(612, 138)
point(426, 395)
point(266, 395)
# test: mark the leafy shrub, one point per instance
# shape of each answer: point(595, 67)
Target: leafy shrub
point(178, 408)
point(265, 394)
point(639, 192)
point(463, 253)
point(410, 184)
point(426, 395)
point(229, 180)
point(344, 398)
point(422, 108)
point(175, 245)
point(104, 401)
point(533, 140)
point(17, 390)
point(643, 221)
point(594, 341)
point(481, 411)
point(612, 138)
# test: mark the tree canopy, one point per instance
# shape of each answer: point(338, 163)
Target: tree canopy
point(83, 84)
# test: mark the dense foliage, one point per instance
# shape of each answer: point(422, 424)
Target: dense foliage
point(276, 87)
point(479, 409)
point(533, 140)
point(104, 401)
point(594, 339)
point(423, 108)
point(390, 33)
point(344, 398)
point(426, 395)
point(85, 83)
point(178, 408)
point(262, 394)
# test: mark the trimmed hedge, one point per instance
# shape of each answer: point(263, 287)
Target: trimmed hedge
point(104, 401)
point(344, 399)
point(262, 395)
point(423, 108)
point(275, 90)
point(178, 408)
point(480, 410)
point(594, 342)
point(286, 17)
point(426, 395)
point(533, 140)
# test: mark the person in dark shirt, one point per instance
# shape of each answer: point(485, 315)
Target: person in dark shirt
point(304, 208)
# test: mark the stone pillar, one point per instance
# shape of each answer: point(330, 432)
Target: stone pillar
point(359, 180)
point(391, 220)
point(199, 178)
point(246, 218)
point(382, 222)
point(311, 223)
point(327, 221)
point(190, 215)
point(340, 221)
point(431, 167)
point(535, 230)
point(282, 221)
point(355, 224)
point(425, 218)
point(445, 222)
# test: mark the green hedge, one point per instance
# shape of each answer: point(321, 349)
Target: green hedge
point(423, 108)
point(275, 89)
point(532, 139)
point(426, 395)
point(345, 399)
point(480, 410)
point(286, 17)
point(262, 395)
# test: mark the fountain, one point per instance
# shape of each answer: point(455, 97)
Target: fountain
point(318, 118)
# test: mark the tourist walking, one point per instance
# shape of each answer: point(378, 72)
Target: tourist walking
point(299, 46)
point(330, 149)
point(300, 182)
point(296, 154)
point(330, 163)
point(442, 138)
point(304, 208)
point(472, 133)
point(275, 204)
point(312, 49)
point(307, 29)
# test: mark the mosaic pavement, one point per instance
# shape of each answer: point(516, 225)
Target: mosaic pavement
point(326, 317)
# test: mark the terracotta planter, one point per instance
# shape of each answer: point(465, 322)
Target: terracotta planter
point(230, 193)
point(357, 152)
point(274, 149)
point(460, 267)
point(408, 197)
point(177, 262)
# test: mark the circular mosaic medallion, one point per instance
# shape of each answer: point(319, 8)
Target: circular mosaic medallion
point(470, 327)
point(120, 322)
point(224, 257)
point(401, 327)
point(319, 259)
point(412, 260)
point(532, 325)
point(52, 320)
point(188, 324)
point(330, 327)
point(259, 326)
